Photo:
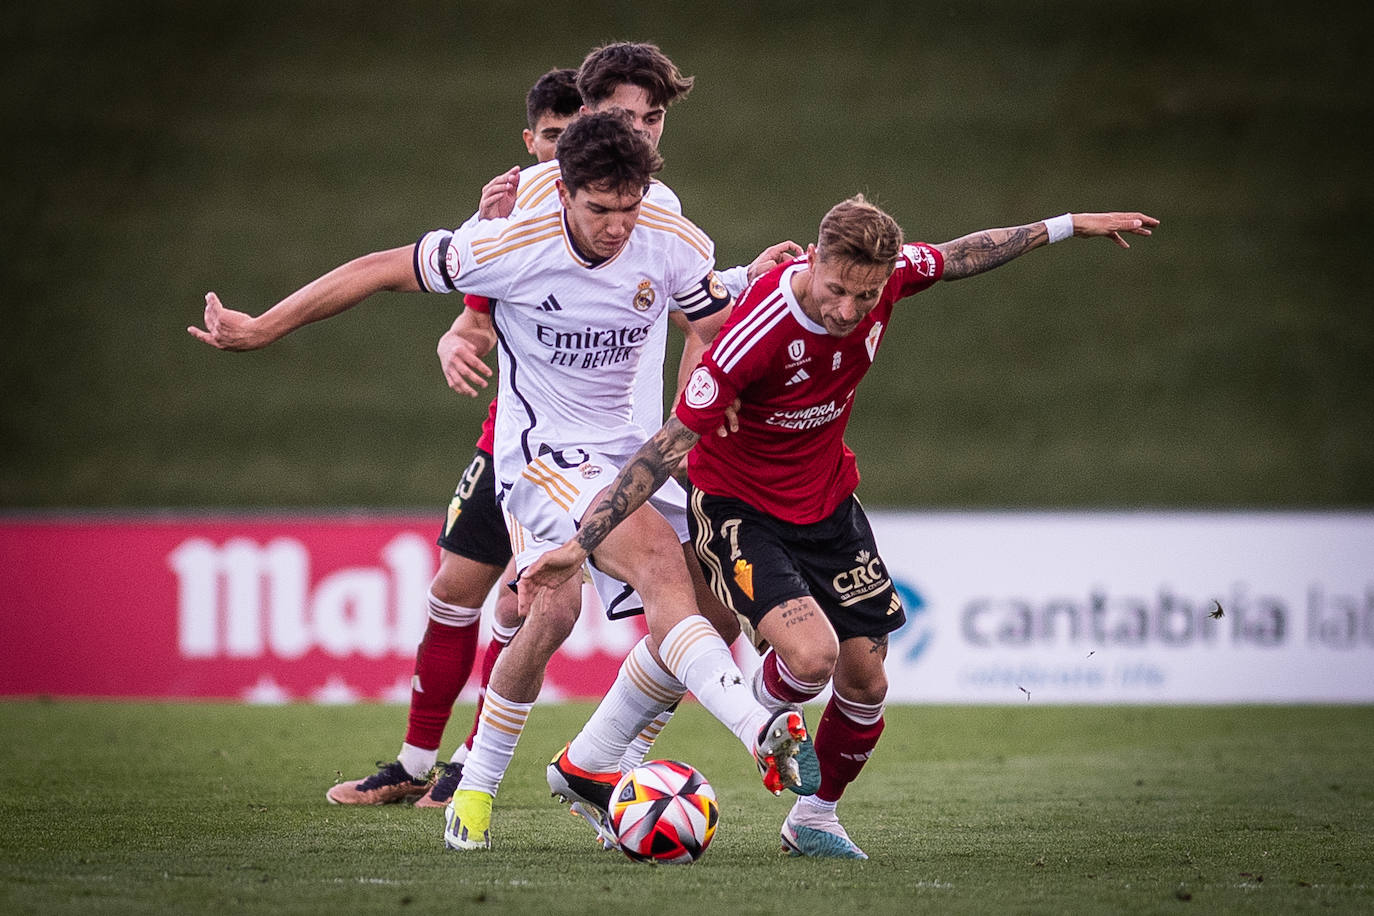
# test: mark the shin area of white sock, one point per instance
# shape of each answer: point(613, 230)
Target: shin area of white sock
point(498, 731)
point(641, 691)
point(699, 658)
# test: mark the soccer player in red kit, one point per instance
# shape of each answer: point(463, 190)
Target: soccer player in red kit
point(775, 524)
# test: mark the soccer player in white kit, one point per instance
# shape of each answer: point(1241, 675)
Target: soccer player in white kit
point(774, 517)
point(640, 80)
point(578, 288)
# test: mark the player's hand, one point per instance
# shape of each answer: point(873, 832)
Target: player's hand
point(463, 367)
point(498, 195)
point(731, 424)
point(547, 573)
point(1111, 225)
point(771, 257)
point(226, 329)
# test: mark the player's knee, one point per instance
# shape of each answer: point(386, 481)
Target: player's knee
point(656, 570)
point(550, 622)
point(461, 581)
point(869, 690)
point(507, 610)
point(812, 663)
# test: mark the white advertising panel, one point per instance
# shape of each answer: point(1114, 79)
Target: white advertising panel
point(1131, 607)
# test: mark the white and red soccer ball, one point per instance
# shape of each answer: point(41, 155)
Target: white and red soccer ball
point(664, 811)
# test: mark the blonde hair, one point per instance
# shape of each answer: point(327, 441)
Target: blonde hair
point(858, 232)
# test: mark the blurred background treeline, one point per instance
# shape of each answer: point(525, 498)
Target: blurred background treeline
point(157, 150)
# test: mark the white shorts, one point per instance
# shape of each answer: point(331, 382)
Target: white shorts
point(547, 501)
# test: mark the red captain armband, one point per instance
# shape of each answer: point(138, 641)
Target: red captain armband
point(477, 303)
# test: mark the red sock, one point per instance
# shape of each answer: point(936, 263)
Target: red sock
point(843, 746)
point(488, 662)
point(442, 665)
point(782, 685)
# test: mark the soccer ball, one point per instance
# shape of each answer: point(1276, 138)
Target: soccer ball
point(664, 811)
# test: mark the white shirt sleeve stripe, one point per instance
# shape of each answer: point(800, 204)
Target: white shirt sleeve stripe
point(744, 335)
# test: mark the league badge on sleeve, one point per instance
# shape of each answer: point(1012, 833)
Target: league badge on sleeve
point(451, 263)
point(701, 389)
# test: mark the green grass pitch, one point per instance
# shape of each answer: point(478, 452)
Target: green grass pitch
point(138, 808)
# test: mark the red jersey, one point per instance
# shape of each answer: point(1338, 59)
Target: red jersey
point(486, 441)
point(796, 384)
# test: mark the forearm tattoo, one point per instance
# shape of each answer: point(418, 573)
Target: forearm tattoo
point(979, 252)
point(641, 477)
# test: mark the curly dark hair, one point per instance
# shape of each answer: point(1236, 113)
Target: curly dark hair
point(644, 65)
point(604, 152)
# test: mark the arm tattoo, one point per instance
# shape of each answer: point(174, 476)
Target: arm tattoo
point(979, 252)
point(796, 611)
point(637, 481)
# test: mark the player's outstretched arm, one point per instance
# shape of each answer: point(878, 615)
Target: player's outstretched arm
point(461, 349)
point(979, 252)
point(337, 291)
point(641, 477)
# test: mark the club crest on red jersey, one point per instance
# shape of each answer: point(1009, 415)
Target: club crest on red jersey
point(871, 342)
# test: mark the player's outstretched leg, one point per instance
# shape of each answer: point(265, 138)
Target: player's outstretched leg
point(813, 829)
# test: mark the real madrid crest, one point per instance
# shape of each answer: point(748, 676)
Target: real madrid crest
point(718, 290)
point(645, 297)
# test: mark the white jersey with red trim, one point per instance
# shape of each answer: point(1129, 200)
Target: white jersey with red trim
point(796, 385)
point(572, 333)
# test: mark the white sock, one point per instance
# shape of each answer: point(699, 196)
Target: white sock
point(818, 805)
point(810, 811)
point(699, 658)
point(639, 748)
point(640, 692)
point(460, 756)
point(417, 760)
point(498, 731)
point(503, 634)
point(452, 615)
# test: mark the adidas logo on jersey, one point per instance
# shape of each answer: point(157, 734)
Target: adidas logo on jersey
point(551, 304)
point(800, 376)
